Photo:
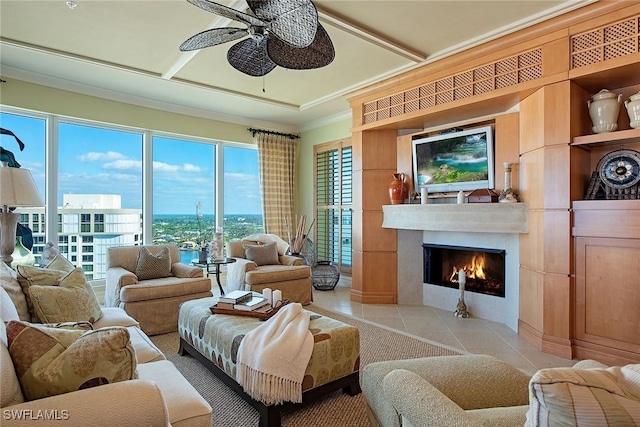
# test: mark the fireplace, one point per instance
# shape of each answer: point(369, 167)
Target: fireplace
point(484, 268)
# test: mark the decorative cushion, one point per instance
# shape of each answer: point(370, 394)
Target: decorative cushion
point(7, 307)
point(262, 254)
point(50, 361)
point(73, 300)
point(29, 276)
point(585, 397)
point(9, 282)
point(60, 263)
point(151, 266)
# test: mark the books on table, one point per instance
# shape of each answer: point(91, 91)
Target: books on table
point(236, 297)
point(256, 302)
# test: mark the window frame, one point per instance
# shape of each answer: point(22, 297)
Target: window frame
point(53, 221)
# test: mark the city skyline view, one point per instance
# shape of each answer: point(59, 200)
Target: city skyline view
point(105, 160)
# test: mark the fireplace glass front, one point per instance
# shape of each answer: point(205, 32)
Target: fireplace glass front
point(484, 268)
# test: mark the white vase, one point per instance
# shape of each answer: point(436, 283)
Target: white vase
point(22, 255)
point(633, 109)
point(604, 107)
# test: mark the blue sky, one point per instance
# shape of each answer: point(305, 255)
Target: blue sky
point(105, 161)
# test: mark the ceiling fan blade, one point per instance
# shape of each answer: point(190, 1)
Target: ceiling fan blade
point(213, 37)
point(227, 12)
point(250, 57)
point(293, 21)
point(319, 54)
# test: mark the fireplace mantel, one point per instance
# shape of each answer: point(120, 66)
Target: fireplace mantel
point(467, 217)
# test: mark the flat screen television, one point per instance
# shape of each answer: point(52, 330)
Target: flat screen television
point(454, 161)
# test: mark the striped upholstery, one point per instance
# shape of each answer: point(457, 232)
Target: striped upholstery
point(585, 397)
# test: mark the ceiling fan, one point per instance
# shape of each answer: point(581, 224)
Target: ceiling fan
point(281, 32)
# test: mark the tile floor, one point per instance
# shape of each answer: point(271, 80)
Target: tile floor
point(471, 334)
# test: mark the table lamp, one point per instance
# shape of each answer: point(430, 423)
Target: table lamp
point(17, 188)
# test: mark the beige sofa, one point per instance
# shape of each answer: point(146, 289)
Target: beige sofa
point(480, 390)
point(153, 302)
point(160, 396)
point(288, 274)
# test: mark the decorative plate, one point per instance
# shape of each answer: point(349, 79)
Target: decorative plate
point(620, 169)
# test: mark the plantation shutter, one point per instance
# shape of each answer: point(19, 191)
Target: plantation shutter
point(333, 200)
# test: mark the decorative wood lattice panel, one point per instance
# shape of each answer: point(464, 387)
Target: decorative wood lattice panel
point(609, 42)
point(507, 72)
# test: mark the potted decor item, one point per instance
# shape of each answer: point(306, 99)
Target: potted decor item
point(604, 107)
point(398, 190)
point(633, 109)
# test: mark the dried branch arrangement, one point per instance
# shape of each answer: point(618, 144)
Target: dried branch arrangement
point(297, 243)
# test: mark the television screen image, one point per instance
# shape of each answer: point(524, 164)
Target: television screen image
point(455, 161)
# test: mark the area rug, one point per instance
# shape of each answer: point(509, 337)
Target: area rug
point(337, 409)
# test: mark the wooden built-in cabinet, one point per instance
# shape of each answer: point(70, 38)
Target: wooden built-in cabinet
point(607, 280)
point(607, 260)
point(579, 262)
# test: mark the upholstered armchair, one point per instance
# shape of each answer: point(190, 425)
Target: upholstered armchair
point(481, 390)
point(261, 262)
point(149, 282)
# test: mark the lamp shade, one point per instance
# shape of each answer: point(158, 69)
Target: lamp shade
point(17, 188)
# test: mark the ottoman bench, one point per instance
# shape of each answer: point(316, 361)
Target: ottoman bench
point(213, 339)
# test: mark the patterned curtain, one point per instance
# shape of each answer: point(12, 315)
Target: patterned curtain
point(277, 159)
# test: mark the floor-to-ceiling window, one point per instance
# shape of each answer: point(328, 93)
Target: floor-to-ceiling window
point(99, 182)
point(242, 202)
point(110, 180)
point(333, 202)
point(32, 132)
point(184, 194)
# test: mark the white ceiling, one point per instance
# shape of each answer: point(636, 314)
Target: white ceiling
point(128, 51)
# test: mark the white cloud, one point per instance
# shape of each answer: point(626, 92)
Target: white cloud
point(94, 156)
point(188, 167)
point(125, 164)
point(164, 167)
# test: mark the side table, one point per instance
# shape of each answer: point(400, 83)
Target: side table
point(215, 263)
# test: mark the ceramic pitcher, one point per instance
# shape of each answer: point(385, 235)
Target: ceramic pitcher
point(604, 107)
point(397, 189)
point(633, 109)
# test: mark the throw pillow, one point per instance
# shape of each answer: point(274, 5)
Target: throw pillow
point(29, 276)
point(150, 266)
point(60, 263)
point(51, 361)
point(585, 397)
point(7, 307)
point(73, 300)
point(262, 254)
point(9, 282)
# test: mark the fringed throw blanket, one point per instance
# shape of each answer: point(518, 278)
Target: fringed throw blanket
point(273, 357)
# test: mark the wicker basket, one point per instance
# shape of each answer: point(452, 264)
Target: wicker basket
point(325, 276)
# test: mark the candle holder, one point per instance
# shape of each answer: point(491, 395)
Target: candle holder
point(461, 308)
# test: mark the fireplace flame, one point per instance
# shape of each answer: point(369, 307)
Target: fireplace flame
point(475, 270)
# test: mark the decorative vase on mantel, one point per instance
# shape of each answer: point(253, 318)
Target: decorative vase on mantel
point(604, 107)
point(398, 190)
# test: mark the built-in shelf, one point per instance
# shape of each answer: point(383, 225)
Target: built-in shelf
point(466, 217)
point(608, 138)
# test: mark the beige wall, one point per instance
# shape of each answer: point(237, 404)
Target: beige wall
point(16, 93)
